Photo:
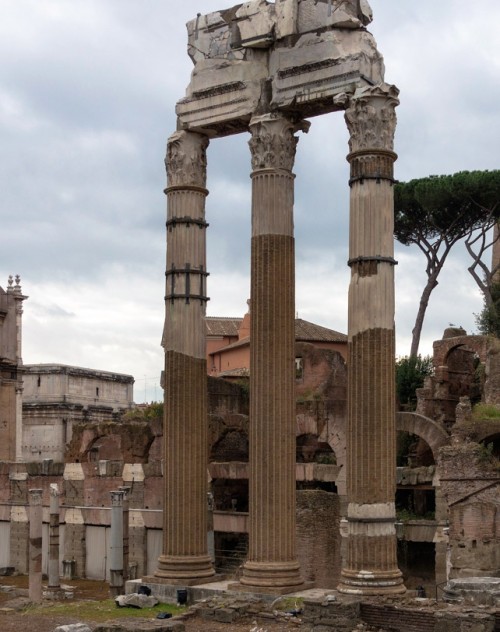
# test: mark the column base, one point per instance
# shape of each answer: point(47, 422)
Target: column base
point(273, 575)
point(371, 582)
point(184, 568)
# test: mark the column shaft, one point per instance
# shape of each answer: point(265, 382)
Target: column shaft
point(272, 558)
point(371, 563)
point(54, 537)
point(35, 549)
point(116, 586)
point(185, 553)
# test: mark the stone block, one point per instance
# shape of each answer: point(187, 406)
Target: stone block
point(464, 622)
point(225, 615)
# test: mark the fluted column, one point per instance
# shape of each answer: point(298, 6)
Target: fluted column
point(185, 554)
point(371, 564)
point(272, 561)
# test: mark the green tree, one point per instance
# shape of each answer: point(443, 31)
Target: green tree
point(435, 213)
point(488, 320)
point(411, 372)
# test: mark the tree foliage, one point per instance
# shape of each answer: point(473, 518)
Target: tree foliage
point(488, 320)
point(148, 413)
point(436, 212)
point(411, 372)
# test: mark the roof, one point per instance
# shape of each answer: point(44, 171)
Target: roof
point(304, 332)
point(222, 326)
point(310, 332)
point(67, 369)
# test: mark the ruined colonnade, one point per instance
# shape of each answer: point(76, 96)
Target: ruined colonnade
point(266, 68)
point(371, 564)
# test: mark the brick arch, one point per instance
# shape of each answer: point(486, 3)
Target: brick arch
point(432, 432)
point(443, 348)
point(134, 440)
point(330, 431)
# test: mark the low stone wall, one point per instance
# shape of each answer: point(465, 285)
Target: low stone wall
point(337, 616)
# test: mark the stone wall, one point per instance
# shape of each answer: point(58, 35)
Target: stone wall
point(470, 481)
point(318, 537)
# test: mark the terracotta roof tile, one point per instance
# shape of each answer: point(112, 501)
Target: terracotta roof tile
point(222, 326)
point(306, 331)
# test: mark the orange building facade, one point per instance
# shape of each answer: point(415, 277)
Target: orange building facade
point(228, 344)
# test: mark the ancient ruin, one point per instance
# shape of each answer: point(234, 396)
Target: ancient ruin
point(264, 68)
point(11, 386)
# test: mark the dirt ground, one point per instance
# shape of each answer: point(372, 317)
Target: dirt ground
point(28, 620)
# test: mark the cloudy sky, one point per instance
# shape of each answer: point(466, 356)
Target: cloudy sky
point(87, 96)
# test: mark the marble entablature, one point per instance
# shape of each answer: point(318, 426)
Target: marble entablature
point(293, 56)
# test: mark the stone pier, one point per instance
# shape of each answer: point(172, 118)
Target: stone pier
point(185, 555)
point(35, 548)
point(54, 581)
point(116, 583)
point(371, 565)
point(126, 530)
point(272, 561)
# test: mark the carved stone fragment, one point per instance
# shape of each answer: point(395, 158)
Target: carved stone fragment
point(371, 118)
point(273, 143)
point(186, 160)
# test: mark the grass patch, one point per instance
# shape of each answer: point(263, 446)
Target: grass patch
point(288, 603)
point(485, 411)
point(100, 611)
point(404, 515)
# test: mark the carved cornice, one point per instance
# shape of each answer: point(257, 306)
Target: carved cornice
point(186, 160)
point(371, 118)
point(273, 143)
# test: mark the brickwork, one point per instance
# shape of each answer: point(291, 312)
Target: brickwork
point(318, 537)
point(325, 615)
point(471, 482)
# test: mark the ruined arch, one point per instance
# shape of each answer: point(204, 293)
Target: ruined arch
point(443, 348)
point(432, 432)
point(134, 440)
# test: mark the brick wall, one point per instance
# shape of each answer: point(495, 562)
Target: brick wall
point(318, 537)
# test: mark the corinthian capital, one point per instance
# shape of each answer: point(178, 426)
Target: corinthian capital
point(371, 118)
point(273, 143)
point(186, 159)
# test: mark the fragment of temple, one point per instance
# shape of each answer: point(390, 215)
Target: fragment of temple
point(293, 56)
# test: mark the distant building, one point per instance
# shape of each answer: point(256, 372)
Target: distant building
point(228, 344)
point(56, 396)
point(11, 310)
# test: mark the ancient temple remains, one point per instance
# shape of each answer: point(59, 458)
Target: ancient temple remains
point(264, 68)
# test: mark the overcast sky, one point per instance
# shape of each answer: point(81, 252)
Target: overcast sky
point(87, 96)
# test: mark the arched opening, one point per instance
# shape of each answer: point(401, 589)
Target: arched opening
point(105, 448)
point(491, 444)
point(309, 449)
point(232, 446)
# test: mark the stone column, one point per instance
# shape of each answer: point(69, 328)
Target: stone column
point(126, 528)
point(272, 561)
point(35, 560)
point(54, 537)
point(185, 555)
point(116, 545)
point(371, 565)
